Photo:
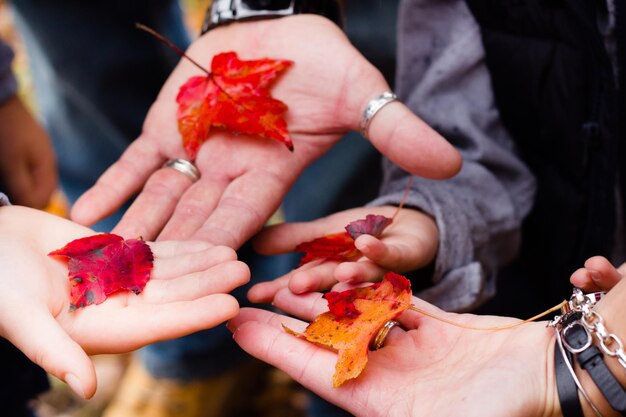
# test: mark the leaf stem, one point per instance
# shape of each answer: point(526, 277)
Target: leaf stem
point(404, 197)
point(182, 53)
point(171, 45)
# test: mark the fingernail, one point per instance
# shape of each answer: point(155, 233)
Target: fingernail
point(75, 384)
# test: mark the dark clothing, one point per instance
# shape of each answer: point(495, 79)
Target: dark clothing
point(555, 88)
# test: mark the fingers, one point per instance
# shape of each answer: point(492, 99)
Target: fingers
point(264, 292)
point(597, 275)
point(285, 237)
point(304, 306)
point(154, 205)
point(243, 209)
point(140, 324)
point(409, 142)
point(118, 184)
point(47, 344)
point(221, 278)
point(307, 363)
point(176, 266)
point(172, 248)
point(313, 276)
point(357, 272)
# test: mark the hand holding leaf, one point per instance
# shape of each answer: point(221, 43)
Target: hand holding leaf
point(187, 293)
point(429, 369)
point(408, 243)
point(244, 179)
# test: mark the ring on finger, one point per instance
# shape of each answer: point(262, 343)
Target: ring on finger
point(185, 167)
point(379, 340)
point(373, 107)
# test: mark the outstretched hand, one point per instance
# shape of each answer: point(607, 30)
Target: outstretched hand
point(187, 293)
point(245, 178)
point(429, 369)
point(409, 243)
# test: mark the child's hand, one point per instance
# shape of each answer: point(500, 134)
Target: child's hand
point(597, 275)
point(186, 293)
point(409, 243)
point(27, 163)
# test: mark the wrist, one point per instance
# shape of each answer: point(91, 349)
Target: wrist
point(223, 12)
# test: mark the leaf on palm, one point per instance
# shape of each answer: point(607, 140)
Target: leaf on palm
point(233, 96)
point(103, 264)
point(354, 318)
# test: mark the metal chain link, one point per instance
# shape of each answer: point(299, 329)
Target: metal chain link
point(594, 323)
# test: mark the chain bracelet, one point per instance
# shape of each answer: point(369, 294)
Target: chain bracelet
point(593, 321)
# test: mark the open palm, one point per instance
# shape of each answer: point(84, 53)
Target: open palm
point(244, 178)
point(430, 369)
point(186, 293)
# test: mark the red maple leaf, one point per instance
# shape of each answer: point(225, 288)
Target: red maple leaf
point(233, 96)
point(340, 246)
point(354, 318)
point(103, 264)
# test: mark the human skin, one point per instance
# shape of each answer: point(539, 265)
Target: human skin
point(243, 178)
point(187, 292)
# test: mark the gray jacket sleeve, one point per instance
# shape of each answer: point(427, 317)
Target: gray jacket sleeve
point(443, 78)
point(8, 83)
point(4, 200)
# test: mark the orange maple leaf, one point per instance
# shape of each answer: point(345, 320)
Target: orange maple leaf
point(354, 318)
point(233, 96)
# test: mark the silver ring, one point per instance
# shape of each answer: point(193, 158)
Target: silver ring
point(184, 167)
point(379, 340)
point(374, 107)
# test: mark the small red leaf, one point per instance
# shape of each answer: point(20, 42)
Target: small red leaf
point(373, 224)
point(234, 97)
point(339, 247)
point(103, 264)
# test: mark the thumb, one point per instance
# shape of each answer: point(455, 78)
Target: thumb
point(411, 144)
point(285, 237)
point(44, 342)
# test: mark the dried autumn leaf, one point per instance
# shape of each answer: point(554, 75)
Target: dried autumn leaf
point(234, 96)
point(373, 224)
point(103, 264)
point(340, 246)
point(354, 318)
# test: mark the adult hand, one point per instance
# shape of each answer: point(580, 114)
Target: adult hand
point(430, 369)
point(244, 178)
point(186, 293)
point(27, 163)
point(409, 243)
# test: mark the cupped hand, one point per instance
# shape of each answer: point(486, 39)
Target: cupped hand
point(430, 369)
point(28, 172)
point(408, 243)
point(186, 293)
point(245, 178)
